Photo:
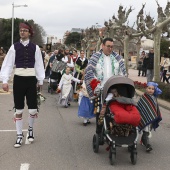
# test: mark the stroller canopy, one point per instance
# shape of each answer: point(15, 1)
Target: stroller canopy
point(124, 85)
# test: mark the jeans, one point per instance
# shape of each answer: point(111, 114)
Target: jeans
point(149, 75)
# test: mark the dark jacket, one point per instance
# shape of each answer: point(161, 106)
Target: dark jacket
point(145, 63)
point(150, 64)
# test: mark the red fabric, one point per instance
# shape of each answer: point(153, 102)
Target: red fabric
point(94, 83)
point(58, 91)
point(125, 113)
point(74, 58)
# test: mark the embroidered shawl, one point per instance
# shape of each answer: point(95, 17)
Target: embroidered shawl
point(149, 110)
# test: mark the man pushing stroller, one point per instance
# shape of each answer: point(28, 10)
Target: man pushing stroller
point(102, 65)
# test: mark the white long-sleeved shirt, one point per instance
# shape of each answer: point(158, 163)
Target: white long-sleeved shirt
point(9, 64)
point(66, 80)
point(65, 59)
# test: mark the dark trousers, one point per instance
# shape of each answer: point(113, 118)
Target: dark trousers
point(164, 76)
point(25, 87)
point(139, 71)
point(143, 72)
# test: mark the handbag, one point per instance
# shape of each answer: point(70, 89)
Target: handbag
point(58, 65)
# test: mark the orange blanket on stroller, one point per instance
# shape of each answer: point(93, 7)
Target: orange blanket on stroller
point(125, 113)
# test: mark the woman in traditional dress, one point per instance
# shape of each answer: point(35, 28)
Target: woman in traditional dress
point(80, 66)
point(85, 109)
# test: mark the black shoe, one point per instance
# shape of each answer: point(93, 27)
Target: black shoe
point(148, 148)
point(88, 122)
point(68, 104)
point(30, 134)
point(85, 124)
point(18, 141)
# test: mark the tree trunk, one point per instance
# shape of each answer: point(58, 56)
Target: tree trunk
point(88, 53)
point(157, 41)
point(138, 45)
point(126, 52)
point(98, 44)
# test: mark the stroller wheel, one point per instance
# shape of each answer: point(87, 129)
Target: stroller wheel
point(133, 157)
point(96, 143)
point(112, 155)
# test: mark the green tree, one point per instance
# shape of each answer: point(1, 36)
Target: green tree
point(164, 47)
point(74, 39)
point(6, 27)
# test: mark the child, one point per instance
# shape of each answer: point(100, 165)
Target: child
point(150, 113)
point(65, 87)
point(123, 108)
point(86, 108)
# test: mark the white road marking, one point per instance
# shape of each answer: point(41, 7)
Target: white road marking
point(24, 166)
point(24, 130)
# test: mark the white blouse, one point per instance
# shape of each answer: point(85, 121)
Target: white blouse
point(9, 64)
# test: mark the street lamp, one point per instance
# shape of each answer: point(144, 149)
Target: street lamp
point(13, 6)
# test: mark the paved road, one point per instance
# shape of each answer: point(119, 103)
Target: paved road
point(63, 143)
point(133, 74)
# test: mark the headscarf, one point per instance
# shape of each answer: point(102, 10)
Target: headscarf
point(157, 91)
point(26, 26)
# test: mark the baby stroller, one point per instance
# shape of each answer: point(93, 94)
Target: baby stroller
point(126, 86)
point(54, 81)
point(56, 73)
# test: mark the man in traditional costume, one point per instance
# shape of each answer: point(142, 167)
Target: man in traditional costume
point(102, 65)
point(29, 68)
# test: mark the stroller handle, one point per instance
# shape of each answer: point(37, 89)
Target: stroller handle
point(97, 95)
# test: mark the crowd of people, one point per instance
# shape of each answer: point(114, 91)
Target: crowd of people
point(145, 66)
point(73, 74)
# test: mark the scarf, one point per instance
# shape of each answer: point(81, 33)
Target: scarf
point(90, 72)
point(149, 110)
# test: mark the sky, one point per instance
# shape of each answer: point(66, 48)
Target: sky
point(58, 16)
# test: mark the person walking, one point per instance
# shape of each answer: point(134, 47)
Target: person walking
point(140, 62)
point(65, 87)
point(150, 113)
point(29, 69)
point(144, 65)
point(101, 66)
point(165, 63)
point(150, 66)
point(74, 56)
point(80, 66)
point(85, 109)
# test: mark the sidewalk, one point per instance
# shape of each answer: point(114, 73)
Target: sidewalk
point(133, 74)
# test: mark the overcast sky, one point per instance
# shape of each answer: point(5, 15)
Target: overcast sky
point(58, 16)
